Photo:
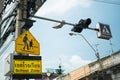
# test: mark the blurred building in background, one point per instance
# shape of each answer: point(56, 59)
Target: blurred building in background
point(110, 71)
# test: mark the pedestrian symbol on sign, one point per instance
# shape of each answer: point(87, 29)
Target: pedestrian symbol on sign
point(25, 40)
point(27, 44)
point(105, 30)
point(31, 44)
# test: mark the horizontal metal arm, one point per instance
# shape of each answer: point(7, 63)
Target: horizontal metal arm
point(93, 29)
point(48, 19)
point(62, 22)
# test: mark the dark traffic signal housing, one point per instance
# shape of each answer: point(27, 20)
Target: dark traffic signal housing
point(82, 24)
point(28, 23)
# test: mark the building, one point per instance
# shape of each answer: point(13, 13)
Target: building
point(110, 70)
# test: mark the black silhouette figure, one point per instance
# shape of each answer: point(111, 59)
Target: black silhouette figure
point(31, 44)
point(25, 40)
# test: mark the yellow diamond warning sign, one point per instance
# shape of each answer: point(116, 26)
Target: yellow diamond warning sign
point(27, 44)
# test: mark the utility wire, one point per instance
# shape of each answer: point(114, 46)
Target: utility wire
point(6, 46)
point(108, 2)
point(10, 10)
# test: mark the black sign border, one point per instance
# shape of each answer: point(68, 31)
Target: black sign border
point(26, 76)
point(20, 57)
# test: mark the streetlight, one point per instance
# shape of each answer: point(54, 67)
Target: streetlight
point(96, 54)
point(96, 51)
point(59, 25)
point(71, 34)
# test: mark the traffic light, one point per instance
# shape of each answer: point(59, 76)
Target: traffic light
point(82, 24)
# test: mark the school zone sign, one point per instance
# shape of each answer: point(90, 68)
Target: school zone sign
point(27, 44)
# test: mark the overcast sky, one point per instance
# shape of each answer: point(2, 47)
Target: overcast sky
point(58, 47)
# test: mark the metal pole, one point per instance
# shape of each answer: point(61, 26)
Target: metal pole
point(17, 25)
point(88, 42)
point(21, 13)
point(19, 16)
point(62, 22)
point(53, 20)
point(96, 52)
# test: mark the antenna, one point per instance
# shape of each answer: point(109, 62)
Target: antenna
point(97, 53)
point(60, 63)
point(96, 46)
point(111, 45)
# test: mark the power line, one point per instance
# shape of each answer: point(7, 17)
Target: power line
point(6, 46)
point(108, 2)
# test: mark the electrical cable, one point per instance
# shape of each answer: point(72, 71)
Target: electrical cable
point(108, 2)
point(5, 6)
point(10, 10)
point(6, 46)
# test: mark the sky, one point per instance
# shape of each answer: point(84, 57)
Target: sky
point(58, 47)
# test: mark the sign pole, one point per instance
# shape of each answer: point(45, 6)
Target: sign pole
point(23, 9)
point(21, 13)
point(25, 44)
point(19, 16)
